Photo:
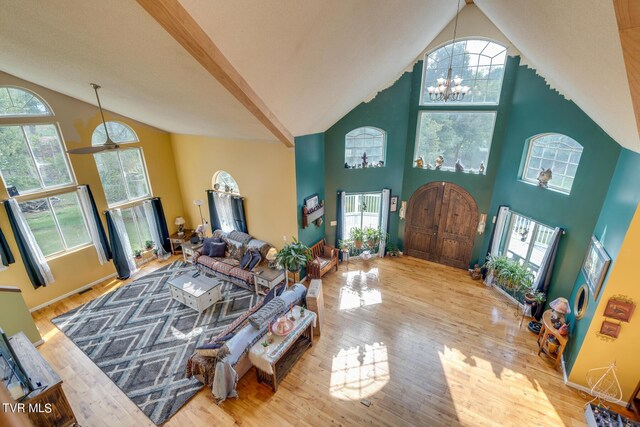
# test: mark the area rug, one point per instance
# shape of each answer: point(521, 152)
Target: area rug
point(141, 338)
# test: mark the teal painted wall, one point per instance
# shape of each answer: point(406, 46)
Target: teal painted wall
point(479, 186)
point(615, 217)
point(535, 109)
point(389, 111)
point(309, 155)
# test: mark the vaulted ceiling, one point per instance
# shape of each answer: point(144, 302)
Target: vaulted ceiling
point(309, 62)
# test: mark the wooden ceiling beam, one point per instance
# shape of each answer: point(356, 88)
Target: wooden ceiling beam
point(628, 18)
point(185, 30)
point(468, 1)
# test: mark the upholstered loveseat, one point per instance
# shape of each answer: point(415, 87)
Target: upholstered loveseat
point(228, 266)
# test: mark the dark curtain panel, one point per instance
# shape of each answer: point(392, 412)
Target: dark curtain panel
point(5, 251)
point(103, 235)
point(119, 256)
point(239, 220)
point(213, 214)
point(27, 257)
point(546, 271)
point(339, 216)
point(161, 221)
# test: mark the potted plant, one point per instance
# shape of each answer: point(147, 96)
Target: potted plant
point(357, 237)
point(148, 244)
point(293, 256)
point(393, 250)
point(137, 253)
point(509, 274)
point(372, 236)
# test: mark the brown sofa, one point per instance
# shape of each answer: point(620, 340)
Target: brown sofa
point(228, 267)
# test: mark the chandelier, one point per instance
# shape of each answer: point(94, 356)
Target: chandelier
point(449, 89)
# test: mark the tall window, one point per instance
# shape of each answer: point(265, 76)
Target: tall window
point(460, 140)
point(137, 226)
point(553, 151)
point(365, 140)
point(225, 187)
point(122, 172)
point(36, 170)
point(480, 64)
point(361, 210)
point(526, 241)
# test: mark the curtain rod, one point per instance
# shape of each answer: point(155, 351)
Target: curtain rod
point(223, 192)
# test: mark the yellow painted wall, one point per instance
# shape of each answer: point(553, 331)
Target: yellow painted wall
point(625, 351)
point(77, 120)
point(15, 316)
point(265, 173)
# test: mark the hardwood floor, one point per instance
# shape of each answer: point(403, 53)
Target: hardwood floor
point(424, 343)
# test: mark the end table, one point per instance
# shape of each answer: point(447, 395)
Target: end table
point(188, 250)
point(177, 241)
point(266, 277)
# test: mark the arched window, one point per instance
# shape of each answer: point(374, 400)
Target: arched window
point(224, 182)
point(18, 102)
point(480, 64)
point(553, 151)
point(369, 140)
point(119, 133)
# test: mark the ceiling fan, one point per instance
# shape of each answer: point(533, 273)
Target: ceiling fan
point(108, 145)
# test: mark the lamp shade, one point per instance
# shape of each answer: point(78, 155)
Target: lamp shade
point(180, 221)
point(271, 255)
point(561, 305)
point(198, 202)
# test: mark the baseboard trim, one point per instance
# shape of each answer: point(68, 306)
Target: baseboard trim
point(583, 388)
point(68, 294)
point(38, 343)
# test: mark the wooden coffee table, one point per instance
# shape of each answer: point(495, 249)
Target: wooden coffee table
point(199, 292)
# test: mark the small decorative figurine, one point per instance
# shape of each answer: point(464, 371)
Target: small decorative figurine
point(419, 162)
point(346, 165)
point(429, 166)
point(381, 164)
point(439, 162)
point(364, 160)
point(544, 177)
point(319, 222)
point(227, 189)
point(564, 329)
point(459, 166)
point(481, 168)
point(475, 272)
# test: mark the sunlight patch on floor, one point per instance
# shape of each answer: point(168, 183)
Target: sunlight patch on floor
point(360, 276)
point(354, 298)
point(359, 372)
point(497, 384)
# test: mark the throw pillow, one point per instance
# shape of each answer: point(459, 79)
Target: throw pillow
point(246, 260)
point(206, 246)
point(255, 260)
point(217, 249)
point(327, 252)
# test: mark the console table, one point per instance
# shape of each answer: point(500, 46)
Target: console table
point(49, 392)
point(275, 361)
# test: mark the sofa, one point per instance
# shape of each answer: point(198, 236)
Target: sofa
point(228, 266)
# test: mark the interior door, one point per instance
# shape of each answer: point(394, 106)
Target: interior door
point(423, 217)
point(442, 219)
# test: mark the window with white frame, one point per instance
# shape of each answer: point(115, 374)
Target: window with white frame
point(224, 182)
point(118, 132)
point(361, 210)
point(18, 102)
point(557, 152)
point(137, 227)
point(365, 140)
point(479, 63)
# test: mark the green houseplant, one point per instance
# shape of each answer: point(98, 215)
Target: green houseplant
point(356, 235)
point(148, 244)
point(293, 256)
point(509, 274)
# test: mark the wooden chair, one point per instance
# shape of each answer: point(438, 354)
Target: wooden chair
point(324, 258)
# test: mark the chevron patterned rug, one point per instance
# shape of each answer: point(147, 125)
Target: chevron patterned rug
point(141, 338)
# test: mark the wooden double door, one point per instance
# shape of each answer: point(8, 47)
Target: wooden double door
point(442, 219)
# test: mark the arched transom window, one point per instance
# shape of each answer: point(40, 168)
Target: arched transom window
point(364, 140)
point(223, 181)
point(17, 102)
point(119, 133)
point(480, 64)
point(557, 152)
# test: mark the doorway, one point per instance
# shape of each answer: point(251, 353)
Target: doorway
point(442, 220)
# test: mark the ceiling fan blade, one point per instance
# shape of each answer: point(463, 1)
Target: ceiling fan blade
point(94, 149)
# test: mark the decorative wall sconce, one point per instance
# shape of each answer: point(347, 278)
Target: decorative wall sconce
point(482, 224)
point(403, 209)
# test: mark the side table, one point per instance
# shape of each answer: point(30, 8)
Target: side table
point(177, 241)
point(266, 277)
point(546, 331)
point(188, 250)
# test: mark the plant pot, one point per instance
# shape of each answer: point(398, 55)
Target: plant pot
point(358, 244)
point(552, 345)
point(529, 298)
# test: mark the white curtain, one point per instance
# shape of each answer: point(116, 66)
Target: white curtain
point(224, 210)
point(153, 227)
point(85, 203)
point(498, 231)
point(32, 244)
point(341, 217)
point(384, 220)
point(116, 215)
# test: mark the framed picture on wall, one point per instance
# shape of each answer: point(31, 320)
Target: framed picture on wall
point(394, 204)
point(610, 329)
point(595, 266)
point(619, 310)
point(311, 202)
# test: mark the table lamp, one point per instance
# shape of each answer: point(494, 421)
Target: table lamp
point(180, 223)
point(560, 307)
point(271, 256)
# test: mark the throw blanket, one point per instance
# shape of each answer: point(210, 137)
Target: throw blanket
point(224, 382)
point(267, 313)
